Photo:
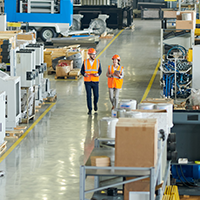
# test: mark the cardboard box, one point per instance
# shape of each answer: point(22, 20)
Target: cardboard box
point(136, 142)
point(62, 71)
point(100, 161)
point(47, 58)
point(142, 185)
point(183, 24)
point(169, 14)
point(68, 62)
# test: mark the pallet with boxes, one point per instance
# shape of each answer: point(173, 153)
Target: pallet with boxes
point(53, 57)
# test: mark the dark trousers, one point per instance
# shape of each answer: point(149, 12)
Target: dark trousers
point(95, 87)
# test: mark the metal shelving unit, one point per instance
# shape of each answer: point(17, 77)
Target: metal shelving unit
point(155, 174)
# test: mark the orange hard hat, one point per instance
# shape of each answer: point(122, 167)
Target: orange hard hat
point(91, 51)
point(116, 57)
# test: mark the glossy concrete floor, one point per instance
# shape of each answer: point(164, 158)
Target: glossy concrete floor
point(45, 165)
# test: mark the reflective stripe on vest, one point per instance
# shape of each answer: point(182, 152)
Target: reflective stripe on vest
point(89, 70)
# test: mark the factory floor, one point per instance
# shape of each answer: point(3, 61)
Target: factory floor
point(45, 164)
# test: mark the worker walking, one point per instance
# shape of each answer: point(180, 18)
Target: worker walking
point(115, 76)
point(91, 70)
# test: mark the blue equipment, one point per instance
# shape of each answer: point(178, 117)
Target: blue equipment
point(13, 12)
point(185, 173)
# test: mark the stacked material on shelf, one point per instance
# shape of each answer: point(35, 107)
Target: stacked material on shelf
point(107, 127)
point(12, 39)
point(100, 161)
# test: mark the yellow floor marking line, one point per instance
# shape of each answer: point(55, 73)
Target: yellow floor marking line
point(28, 130)
point(151, 81)
point(110, 43)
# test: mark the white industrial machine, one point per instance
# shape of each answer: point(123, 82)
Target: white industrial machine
point(38, 48)
point(25, 67)
point(43, 85)
point(2, 116)
point(12, 87)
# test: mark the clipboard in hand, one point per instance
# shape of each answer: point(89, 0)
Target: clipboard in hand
point(116, 73)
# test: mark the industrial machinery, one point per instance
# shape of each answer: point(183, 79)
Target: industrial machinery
point(39, 68)
point(2, 116)
point(176, 76)
point(25, 67)
point(48, 17)
point(120, 12)
point(12, 87)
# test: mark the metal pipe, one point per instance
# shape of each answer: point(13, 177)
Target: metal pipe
point(119, 168)
point(116, 184)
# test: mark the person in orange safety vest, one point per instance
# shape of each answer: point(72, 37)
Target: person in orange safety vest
point(115, 76)
point(91, 70)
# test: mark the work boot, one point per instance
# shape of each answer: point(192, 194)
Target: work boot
point(89, 112)
point(95, 108)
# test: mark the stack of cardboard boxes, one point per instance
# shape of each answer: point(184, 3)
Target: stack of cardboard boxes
point(100, 161)
point(180, 22)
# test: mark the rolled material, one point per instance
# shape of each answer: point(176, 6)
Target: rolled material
point(128, 104)
point(107, 127)
point(133, 114)
point(187, 16)
point(169, 108)
point(146, 106)
point(121, 112)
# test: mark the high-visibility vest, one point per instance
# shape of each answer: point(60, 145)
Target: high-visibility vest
point(115, 81)
point(90, 70)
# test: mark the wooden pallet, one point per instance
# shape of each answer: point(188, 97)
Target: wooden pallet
point(20, 128)
point(26, 120)
point(14, 133)
point(51, 99)
point(62, 77)
point(76, 77)
point(38, 107)
point(106, 36)
point(3, 148)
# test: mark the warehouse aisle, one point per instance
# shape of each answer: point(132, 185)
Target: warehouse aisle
point(45, 165)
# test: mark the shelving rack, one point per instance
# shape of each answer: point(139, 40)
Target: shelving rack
point(155, 174)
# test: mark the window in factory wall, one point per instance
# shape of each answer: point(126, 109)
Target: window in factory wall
point(38, 6)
